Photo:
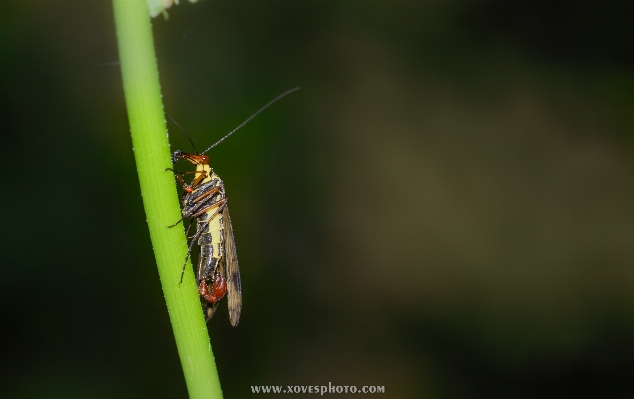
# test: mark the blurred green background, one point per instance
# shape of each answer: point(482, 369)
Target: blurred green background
point(444, 209)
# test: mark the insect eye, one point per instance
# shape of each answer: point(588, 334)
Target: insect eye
point(205, 159)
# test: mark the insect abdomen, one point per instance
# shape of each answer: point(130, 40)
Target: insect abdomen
point(207, 262)
point(211, 244)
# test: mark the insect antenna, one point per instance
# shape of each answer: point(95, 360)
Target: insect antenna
point(251, 117)
point(184, 132)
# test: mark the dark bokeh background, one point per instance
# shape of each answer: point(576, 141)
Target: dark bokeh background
point(445, 208)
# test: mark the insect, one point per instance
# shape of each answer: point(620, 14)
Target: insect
point(205, 201)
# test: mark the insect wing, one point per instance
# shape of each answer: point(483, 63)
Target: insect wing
point(234, 286)
point(208, 308)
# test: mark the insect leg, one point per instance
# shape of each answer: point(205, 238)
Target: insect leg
point(195, 182)
point(205, 194)
point(188, 212)
point(191, 172)
point(193, 210)
point(220, 204)
point(177, 171)
point(199, 178)
point(186, 187)
point(180, 220)
point(191, 221)
point(189, 252)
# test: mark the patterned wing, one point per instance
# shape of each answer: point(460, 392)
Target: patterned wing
point(234, 287)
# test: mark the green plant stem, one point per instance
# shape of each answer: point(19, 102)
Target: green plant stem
point(160, 199)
